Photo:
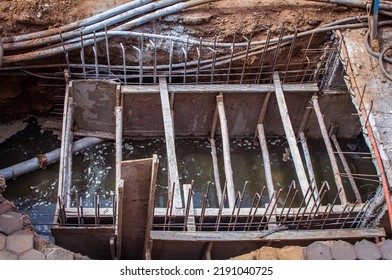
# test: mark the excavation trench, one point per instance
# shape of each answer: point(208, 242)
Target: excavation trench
point(289, 149)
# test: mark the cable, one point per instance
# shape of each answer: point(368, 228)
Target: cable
point(381, 59)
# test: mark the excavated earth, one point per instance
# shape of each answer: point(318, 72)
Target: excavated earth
point(221, 18)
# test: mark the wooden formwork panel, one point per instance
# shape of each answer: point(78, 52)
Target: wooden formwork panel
point(134, 202)
point(94, 105)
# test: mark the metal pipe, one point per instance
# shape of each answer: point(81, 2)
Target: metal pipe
point(51, 157)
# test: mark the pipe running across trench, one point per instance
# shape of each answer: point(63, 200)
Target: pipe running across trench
point(45, 159)
point(384, 180)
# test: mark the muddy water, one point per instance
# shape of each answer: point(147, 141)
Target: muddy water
point(35, 193)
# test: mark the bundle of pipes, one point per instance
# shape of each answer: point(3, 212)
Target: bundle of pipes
point(129, 16)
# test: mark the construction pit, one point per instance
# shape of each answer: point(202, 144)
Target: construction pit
point(203, 145)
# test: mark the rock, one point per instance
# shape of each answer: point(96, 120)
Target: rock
point(267, 253)
point(5, 255)
point(366, 250)
point(19, 242)
point(342, 250)
point(32, 255)
point(196, 18)
point(386, 249)
point(250, 256)
point(80, 257)
point(291, 253)
point(56, 253)
point(6, 206)
point(39, 243)
point(2, 241)
point(318, 251)
point(10, 222)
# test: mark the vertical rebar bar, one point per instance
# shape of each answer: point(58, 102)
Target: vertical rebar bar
point(124, 63)
point(107, 50)
point(204, 205)
point(262, 59)
point(245, 58)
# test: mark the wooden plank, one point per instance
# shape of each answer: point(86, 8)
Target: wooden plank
point(93, 242)
point(119, 222)
point(264, 108)
point(305, 235)
point(214, 123)
point(60, 190)
point(191, 225)
point(304, 120)
point(136, 195)
point(217, 89)
point(95, 102)
point(119, 138)
point(331, 154)
point(226, 151)
point(68, 155)
point(216, 169)
point(151, 205)
point(291, 139)
point(170, 145)
point(309, 165)
point(210, 212)
point(346, 168)
point(266, 160)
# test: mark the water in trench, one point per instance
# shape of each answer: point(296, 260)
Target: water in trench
point(93, 169)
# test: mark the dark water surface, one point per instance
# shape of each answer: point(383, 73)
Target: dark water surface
point(93, 169)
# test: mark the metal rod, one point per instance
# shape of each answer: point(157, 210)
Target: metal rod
point(78, 207)
point(349, 214)
point(82, 55)
point(107, 48)
point(257, 206)
point(276, 55)
point(154, 44)
point(114, 208)
point(359, 214)
point(291, 205)
point(188, 205)
point(341, 214)
point(290, 52)
point(171, 60)
point(81, 211)
point(140, 52)
point(346, 169)
point(204, 205)
point(198, 49)
point(266, 210)
point(220, 208)
point(65, 53)
point(171, 204)
point(292, 186)
point(231, 59)
point(333, 204)
point(317, 208)
point(264, 53)
point(185, 62)
point(245, 58)
point(240, 205)
point(124, 63)
point(273, 208)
